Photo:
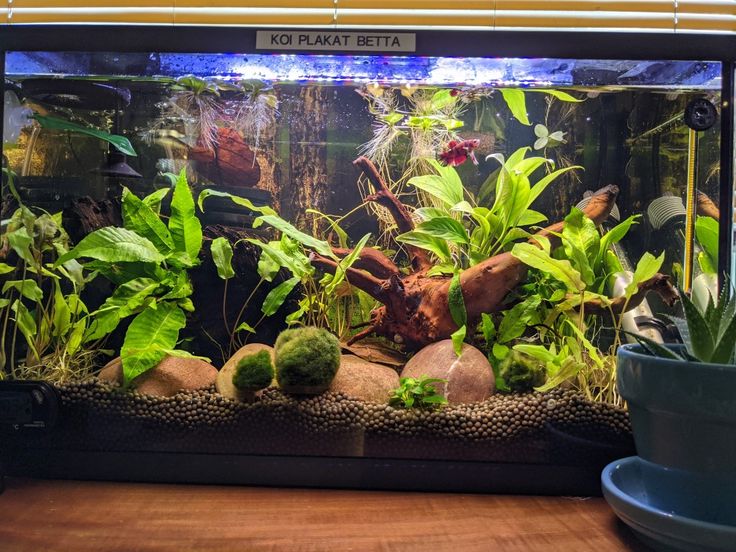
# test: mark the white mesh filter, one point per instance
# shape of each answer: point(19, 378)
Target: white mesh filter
point(663, 209)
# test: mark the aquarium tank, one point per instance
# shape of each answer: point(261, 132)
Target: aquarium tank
point(344, 258)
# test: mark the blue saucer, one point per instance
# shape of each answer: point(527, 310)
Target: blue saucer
point(672, 510)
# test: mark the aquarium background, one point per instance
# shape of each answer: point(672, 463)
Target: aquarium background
point(307, 118)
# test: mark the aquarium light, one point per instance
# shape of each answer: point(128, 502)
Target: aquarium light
point(381, 70)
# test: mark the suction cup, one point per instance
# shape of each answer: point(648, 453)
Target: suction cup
point(116, 165)
point(665, 209)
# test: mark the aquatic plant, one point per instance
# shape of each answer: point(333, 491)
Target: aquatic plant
point(706, 232)
point(54, 123)
point(306, 359)
point(253, 372)
point(566, 286)
point(417, 393)
point(521, 373)
point(255, 109)
point(197, 99)
point(41, 302)
point(148, 261)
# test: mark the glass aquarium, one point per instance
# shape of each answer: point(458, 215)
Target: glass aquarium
point(378, 257)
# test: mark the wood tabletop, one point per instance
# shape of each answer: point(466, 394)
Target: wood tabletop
point(52, 515)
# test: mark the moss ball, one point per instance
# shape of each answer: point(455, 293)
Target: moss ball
point(306, 357)
point(253, 372)
point(521, 372)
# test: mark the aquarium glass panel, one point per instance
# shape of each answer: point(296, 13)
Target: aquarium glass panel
point(370, 256)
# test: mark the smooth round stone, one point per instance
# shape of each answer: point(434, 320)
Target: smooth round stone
point(224, 382)
point(364, 380)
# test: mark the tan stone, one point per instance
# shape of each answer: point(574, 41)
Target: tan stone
point(469, 376)
point(225, 377)
point(364, 380)
point(171, 376)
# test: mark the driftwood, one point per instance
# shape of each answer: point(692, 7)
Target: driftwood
point(415, 309)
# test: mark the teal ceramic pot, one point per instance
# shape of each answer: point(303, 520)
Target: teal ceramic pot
point(683, 414)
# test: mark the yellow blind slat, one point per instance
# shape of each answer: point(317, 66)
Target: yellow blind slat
point(654, 15)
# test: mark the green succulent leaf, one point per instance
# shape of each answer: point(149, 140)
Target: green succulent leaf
point(702, 341)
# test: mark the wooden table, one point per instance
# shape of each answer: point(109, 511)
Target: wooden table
point(41, 515)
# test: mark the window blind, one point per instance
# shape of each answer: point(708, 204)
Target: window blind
point(592, 15)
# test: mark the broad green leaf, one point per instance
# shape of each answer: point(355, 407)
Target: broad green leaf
point(62, 315)
point(646, 268)
point(140, 218)
point(179, 284)
point(112, 245)
point(530, 217)
point(706, 263)
point(487, 327)
point(185, 228)
point(320, 246)
point(243, 202)
point(539, 352)
point(546, 180)
point(245, 327)
point(561, 270)
point(299, 265)
point(614, 235)
point(425, 241)
point(149, 335)
point(559, 94)
point(27, 288)
point(342, 236)
point(277, 296)
point(706, 232)
point(26, 324)
point(127, 299)
point(441, 99)
point(54, 123)
point(567, 370)
point(345, 263)
point(76, 336)
point(516, 100)
point(428, 213)
point(519, 318)
point(444, 228)
point(20, 241)
point(154, 199)
point(222, 256)
point(456, 302)
point(6, 268)
point(500, 351)
point(437, 186)
point(458, 336)
point(581, 243)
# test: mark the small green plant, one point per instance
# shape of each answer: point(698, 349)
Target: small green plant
point(522, 373)
point(709, 334)
point(417, 393)
point(253, 372)
point(306, 358)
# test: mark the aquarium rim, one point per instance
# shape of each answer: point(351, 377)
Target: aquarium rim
point(440, 43)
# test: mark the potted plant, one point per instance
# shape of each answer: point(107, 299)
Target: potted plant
point(682, 403)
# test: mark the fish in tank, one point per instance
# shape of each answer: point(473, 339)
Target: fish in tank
point(350, 256)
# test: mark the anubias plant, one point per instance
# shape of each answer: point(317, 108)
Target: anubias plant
point(417, 393)
point(709, 334)
point(148, 261)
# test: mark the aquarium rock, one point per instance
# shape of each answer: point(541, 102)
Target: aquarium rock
point(469, 376)
point(364, 380)
point(172, 375)
point(224, 382)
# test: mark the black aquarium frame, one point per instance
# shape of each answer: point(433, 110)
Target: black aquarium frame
point(361, 472)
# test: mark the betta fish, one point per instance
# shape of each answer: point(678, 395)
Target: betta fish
point(458, 152)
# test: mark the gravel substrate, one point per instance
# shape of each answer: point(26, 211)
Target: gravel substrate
point(556, 427)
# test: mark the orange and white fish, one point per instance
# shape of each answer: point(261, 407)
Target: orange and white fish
point(458, 152)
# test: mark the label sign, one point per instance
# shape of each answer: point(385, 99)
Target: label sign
point(335, 40)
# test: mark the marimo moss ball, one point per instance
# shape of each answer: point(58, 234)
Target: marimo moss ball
point(306, 358)
point(521, 372)
point(253, 372)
